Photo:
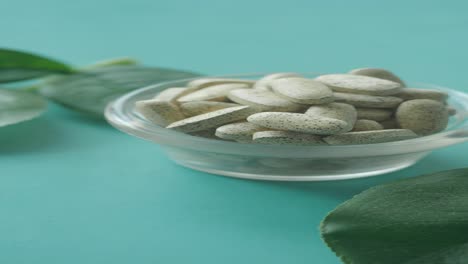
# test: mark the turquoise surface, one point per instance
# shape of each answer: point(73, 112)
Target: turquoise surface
point(75, 190)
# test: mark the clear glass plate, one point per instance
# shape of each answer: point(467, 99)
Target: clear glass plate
point(288, 163)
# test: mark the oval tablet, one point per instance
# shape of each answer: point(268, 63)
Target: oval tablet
point(263, 100)
point(159, 112)
point(201, 107)
point(286, 138)
point(264, 83)
point(241, 131)
point(451, 111)
point(299, 123)
point(340, 111)
point(302, 90)
point(423, 116)
point(217, 92)
point(170, 94)
point(378, 73)
point(375, 114)
point(370, 137)
point(366, 125)
point(205, 82)
point(413, 93)
point(363, 100)
point(350, 83)
point(211, 119)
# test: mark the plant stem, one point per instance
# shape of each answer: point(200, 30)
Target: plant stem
point(111, 62)
point(31, 88)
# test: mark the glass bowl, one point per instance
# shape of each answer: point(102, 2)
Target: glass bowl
point(280, 162)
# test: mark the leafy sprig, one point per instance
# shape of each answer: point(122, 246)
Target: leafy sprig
point(87, 89)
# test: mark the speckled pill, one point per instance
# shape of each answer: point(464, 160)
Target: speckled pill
point(286, 138)
point(264, 83)
point(241, 131)
point(159, 112)
point(366, 125)
point(451, 111)
point(350, 83)
point(170, 94)
point(201, 107)
point(362, 100)
point(378, 73)
point(416, 93)
point(299, 123)
point(302, 90)
point(212, 119)
point(205, 82)
point(370, 137)
point(375, 114)
point(217, 92)
point(423, 116)
point(340, 111)
point(389, 124)
point(263, 100)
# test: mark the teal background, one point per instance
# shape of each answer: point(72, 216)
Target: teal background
point(75, 190)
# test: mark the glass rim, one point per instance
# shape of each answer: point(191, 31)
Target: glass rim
point(120, 114)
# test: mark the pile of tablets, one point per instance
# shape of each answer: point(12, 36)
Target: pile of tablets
point(364, 106)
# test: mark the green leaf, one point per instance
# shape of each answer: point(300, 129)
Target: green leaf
point(421, 220)
point(18, 106)
point(90, 91)
point(111, 62)
point(17, 66)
